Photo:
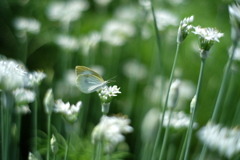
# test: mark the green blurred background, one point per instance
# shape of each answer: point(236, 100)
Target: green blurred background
point(42, 53)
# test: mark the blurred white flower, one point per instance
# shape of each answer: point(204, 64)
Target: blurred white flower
point(66, 11)
point(178, 120)
point(146, 4)
point(32, 156)
point(70, 112)
point(165, 19)
point(67, 42)
point(110, 130)
point(54, 144)
point(102, 3)
point(116, 32)
point(34, 78)
point(23, 96)
point(149, 125)
point(174, 94)
point(12, 74)
point(27, 25)
point(66, 87)
point(134, 69)
point(48, 101)
point(234, 13)
point(176, 2)
point(127, 13)
point(236, 53)
point(90, 41)
point(225, 140)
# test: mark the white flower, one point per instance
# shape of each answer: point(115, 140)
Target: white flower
point(23, 96)
point(48, 101)
point(68, 11)
point(70, 112)
point(116, 32)
point(35, 78)
point(209, 34)
point(134, 69)
point(54, 144)
point(103, 3)
point(27, 25)
point(32, 157)
point(127, 13)
point(90, 41)
point(184, 28)
point(165, 18)
point(178, 120)
point(225, 140)
point(174, 94)
point(12, 75)
point(67, 42)
point(207, 37)
point(111, 130)
point(106, 93)
point(234, 13)
point(236, 53)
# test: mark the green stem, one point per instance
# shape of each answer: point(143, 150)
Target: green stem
point(48, 130)
point(2, 125)
point(99, 150)
point(35, 117)
point(165, 104)
point(221, 92)
point(67, 148)
point(190, 128)
point(165, 136)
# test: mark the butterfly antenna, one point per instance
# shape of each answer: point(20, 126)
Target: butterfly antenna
point(111, 79)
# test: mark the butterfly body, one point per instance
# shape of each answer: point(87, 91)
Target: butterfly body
point(88, 81)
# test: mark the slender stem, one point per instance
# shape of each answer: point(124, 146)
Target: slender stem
point(99, 150)
point(223, 84)
point(2, 126)
point(165, 104)
point(35, 117)
point(165, 136)
point(48, 140)
point(67, 148)
point(221, 92)
point(190, 128)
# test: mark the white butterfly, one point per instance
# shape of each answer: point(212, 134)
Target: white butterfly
point(88, 81)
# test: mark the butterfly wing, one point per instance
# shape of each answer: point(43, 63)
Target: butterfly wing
point(85, 70)
point(88, 83)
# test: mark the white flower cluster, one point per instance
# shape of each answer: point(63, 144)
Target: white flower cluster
point(178, 120)
point(207, 37)
point(209, 34)
point(134, 69)
point(90, 41)
point(116, 32)
point(225, 140)
point(67, 42)
point(35, 78)
point(234, 13)
point(22, 98)
point(165, 19)
point(12, 74)
point(70, 112)
point(66, 11)
point(110, 130)
point(184, 28)
point(106, 93)
point(27, 25)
